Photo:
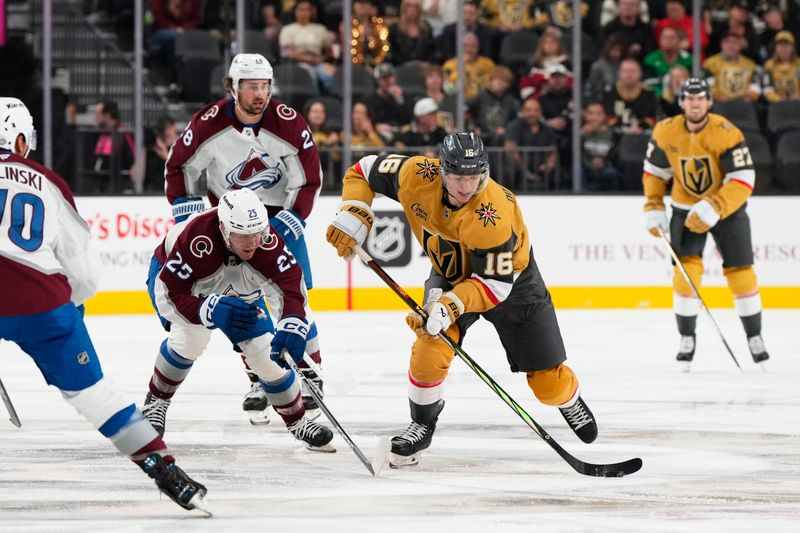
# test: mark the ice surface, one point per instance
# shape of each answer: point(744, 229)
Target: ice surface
point(721, 449)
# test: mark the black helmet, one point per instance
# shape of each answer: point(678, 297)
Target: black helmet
point(463, 154)
point(694, 86)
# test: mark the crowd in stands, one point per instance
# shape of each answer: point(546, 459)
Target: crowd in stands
point(518, 66)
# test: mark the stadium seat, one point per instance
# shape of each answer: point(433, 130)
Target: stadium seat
point(517, 49)
point(193, 76)
point(411, 78)
point(294, 85)
point(363, 83)
point(783, 116)
point(762, 160)
point(632, 151)
point(215, 87)
point(256, 43)
point(787, 158)
point(197, 44)
point(741, 112)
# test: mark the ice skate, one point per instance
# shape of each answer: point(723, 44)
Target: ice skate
point(581, 420)
point(312, 408)
point(316, 437)
point(256, 405)
point(757, 349)
point(155, 411)
point(174, 482)
point(686, 351)
point(409, 445)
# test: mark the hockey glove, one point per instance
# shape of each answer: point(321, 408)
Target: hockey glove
point(702, 217)
point(291, 228)
point(442, 313)
point(655, 221)
point(350, 228)
point(185, 206)
point(291, 336)
point(235, 318)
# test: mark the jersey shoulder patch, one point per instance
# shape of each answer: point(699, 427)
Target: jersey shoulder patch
point(491, 218)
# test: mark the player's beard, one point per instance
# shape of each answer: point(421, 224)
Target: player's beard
point(252, 111)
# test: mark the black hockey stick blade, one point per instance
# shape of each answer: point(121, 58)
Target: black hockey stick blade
point(598, 470)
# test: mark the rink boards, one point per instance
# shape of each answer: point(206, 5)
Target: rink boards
point(592, 250)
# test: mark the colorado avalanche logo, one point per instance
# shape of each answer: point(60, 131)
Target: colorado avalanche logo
point(269, 242)
point(258, 171)
point(200, 246)
point(249, 297)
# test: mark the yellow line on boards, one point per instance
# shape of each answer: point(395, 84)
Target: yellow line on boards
point(383, 299)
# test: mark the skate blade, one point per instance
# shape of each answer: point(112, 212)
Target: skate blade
point(198, 503)
point(382, 453)
point(401, 461)
point(687, 367)
point(259, 418)
point(763, 365)
point(327, 448)
point(313, 414)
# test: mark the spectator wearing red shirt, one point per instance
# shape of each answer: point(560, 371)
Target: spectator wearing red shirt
point(679, 19)
point(171, 17)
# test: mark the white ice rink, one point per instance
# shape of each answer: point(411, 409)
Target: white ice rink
point(721, 449)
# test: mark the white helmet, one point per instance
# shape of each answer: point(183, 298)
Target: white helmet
point(15, 119)
point(249, 67)
point(241, 211)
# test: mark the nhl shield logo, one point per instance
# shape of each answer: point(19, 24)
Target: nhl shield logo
point(697, 174)
point(258, 171)
point(83, 358)
point(389, 242)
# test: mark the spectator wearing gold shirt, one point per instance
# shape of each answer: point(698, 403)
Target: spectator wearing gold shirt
point(731, 75)
point(782, 70)
point(477, 68)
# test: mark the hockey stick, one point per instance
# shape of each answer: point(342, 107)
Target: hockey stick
point(382, 454)
point(10, 406)
point(600, 470)
point(696, 292)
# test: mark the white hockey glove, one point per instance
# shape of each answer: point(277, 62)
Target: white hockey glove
point(350, 228)
point(655, 221)
point(702, 217)
point(442, 313)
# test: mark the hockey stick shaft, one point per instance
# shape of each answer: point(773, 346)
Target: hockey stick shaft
point(601, 470)
point(317, 395)
point(696, 292)
point(10, 406)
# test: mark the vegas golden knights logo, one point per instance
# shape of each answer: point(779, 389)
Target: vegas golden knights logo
point(733, 80)
point(697, 178)
point(786, 87)
point(445, 255)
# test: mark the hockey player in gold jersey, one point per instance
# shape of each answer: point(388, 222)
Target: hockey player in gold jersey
point(473, 232)
point(712, 175)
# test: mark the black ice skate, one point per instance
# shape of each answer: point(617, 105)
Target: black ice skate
point(686, 350)
point(316, 437)
point(757, 348)
point(581, 420)
point(174, 482)
point(256, 405)
point(407, 446)
point(155, 411)
point(312, 408)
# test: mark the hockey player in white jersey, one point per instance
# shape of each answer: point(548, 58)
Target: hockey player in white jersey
point(213, 271)
point(252, 141)
point(47, 275)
